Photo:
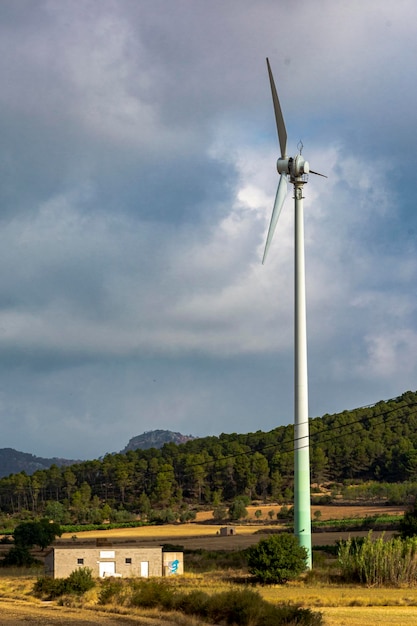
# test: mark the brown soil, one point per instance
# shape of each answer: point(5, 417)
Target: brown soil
point(47, 614)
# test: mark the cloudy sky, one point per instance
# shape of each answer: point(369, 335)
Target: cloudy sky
point(137, 177)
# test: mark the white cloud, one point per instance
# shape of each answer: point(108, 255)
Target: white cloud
point(391, 355)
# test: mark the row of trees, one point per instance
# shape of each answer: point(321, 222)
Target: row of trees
point(375, 443)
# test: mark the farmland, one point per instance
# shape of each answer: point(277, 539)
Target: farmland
point(200, 533)
point(350, 605)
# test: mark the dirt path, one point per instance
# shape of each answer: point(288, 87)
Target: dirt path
point(17, 612)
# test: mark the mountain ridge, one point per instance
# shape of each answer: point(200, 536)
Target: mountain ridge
point(155, 439)
point(14, 461)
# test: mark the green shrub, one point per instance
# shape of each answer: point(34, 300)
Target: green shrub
point(220, 512)
point(290, 615)
point(152, 593)
point(242, 607)
point(286, 513)
point(321, 500)
point(122, 516)
point(277, 559)
point(49, 588)
point(163, 516)
point(111, 591)
point(188, 516)
point(78, 582)
point(18, 556)
point(237, 509)
point(247, 608)
point(195, 602)
point(208, 560)
point(235, 607)
point(408, 525)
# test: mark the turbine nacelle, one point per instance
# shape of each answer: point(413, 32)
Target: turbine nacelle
point(293, 167)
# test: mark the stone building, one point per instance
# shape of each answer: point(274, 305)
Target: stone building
point(113, 561)
point(227, 531)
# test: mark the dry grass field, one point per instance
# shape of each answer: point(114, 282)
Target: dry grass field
point(340, 605)
point(374, 616)
point(13, 613)
point(327, 511)
point(194, 537)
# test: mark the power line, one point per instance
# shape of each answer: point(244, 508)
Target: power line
point(317, 434)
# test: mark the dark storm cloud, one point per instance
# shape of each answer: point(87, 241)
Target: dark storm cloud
point(137, 175)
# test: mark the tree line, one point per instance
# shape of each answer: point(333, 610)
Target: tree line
point(376, 443)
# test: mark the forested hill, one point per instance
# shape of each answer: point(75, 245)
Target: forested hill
point(375, 443)
point(12, 461)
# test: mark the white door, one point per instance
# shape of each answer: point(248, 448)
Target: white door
point(107, 568)
point(144, 569)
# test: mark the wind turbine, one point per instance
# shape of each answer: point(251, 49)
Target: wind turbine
point(296, 170)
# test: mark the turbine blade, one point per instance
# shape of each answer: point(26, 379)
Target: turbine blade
point(279, 201)
point(317, 173)
point(282, 133)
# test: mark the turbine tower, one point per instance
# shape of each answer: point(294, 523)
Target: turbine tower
point(296, 170)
